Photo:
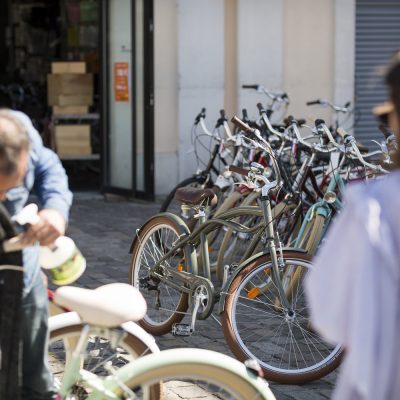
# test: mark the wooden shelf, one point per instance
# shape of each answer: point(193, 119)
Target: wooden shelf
point(80, 157)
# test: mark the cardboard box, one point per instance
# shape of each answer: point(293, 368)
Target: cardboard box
point(73, 140)
point(65, 133)
point(70, 110)
point(70, 151)
point(74, 99)
point(76, 67)
point(69, 89)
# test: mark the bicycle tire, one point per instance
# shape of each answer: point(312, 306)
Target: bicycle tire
point(158, 319)
point(250, 336)
point(66, 337)
point(201, 368)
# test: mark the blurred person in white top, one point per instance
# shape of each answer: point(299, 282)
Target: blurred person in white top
point(354, 288)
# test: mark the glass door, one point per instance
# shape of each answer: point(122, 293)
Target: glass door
point(128, 98)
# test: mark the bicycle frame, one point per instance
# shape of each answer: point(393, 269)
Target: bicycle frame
point(323, 207)
point(191, 279)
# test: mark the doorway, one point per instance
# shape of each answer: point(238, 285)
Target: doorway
point(128, 100)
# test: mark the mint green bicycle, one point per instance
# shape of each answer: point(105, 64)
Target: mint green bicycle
point(193, 372)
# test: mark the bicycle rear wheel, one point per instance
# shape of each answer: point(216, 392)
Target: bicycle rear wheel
point(106, 345)
point(166, 305)
point(256, 326)
point(196, 373)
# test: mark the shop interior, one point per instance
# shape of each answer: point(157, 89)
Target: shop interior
point(50, 70)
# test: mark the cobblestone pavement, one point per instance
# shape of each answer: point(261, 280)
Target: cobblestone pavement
point(103, 230)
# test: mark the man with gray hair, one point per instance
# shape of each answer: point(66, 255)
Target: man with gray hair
point(25, 166)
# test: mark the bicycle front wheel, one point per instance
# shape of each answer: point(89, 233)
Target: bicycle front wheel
point(196, 373)
point(283, 341)
point(115, 346)
point(166, 305)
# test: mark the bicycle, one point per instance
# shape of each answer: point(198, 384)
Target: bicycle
point(164, 268)
point(214, 373)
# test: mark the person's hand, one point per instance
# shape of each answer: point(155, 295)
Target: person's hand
point(50, 226)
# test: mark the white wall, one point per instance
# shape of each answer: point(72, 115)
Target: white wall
point(308, 48)
point(260, 50)
point(200, 70)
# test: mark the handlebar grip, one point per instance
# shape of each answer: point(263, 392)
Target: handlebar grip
point(201, 114)
point(222, 113)
point(241, 125)
point(260, 107)
point(384, 130)
point(319, 122)
point(250, 87)
point(245, 115)
point(238, 170)
point(301, 121)
point(313, 102)
point(290, 120)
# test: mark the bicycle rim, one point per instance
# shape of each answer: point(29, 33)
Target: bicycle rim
point(256, 325)
point(105, 346)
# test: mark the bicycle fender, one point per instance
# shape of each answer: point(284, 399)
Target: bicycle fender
point(183, 228)
point(72, 318)
point(183, 231)
point(244, 264)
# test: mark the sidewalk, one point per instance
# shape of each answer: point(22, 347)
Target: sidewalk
point(104, 231)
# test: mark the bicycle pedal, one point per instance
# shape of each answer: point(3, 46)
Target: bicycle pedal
point(181, 330)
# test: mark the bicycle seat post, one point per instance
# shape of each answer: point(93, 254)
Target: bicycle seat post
point(204, 253)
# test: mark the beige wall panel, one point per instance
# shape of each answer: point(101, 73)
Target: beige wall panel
point(309, 46)
point(166, 76)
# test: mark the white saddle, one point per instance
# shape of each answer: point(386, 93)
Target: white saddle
point(108, 306)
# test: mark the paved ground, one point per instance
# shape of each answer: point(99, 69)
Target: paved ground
point(104, 230)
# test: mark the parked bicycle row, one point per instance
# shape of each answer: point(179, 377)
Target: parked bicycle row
point(239, 246)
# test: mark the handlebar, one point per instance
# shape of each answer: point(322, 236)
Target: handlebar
point(385, 132)
point(255, 87)
point(325, 103)
point(312, 146)
point(221, 120)
point(279, 97)
point(241, 125)
point(238, 170)
point(263, 145)
point(200, 115)
point(350, 141)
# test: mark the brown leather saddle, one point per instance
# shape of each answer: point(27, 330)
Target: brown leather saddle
point(195, 197)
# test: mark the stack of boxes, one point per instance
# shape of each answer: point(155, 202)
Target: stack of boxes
point(70, 93)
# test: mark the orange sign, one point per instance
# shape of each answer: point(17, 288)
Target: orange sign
point(121, 81)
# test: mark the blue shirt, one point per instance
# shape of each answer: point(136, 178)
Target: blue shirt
point(46, 177)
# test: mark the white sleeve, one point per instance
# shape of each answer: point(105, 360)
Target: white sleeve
point(330, 283)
